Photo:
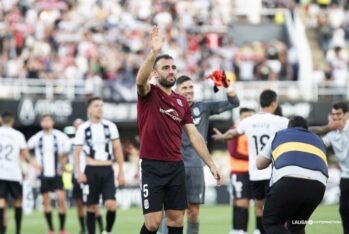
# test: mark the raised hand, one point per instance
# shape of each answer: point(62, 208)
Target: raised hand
point(333, 123)
point(156, 39)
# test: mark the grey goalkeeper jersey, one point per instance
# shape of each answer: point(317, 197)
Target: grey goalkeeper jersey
point(201, 112)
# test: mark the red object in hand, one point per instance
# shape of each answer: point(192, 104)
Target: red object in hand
point(219, 79)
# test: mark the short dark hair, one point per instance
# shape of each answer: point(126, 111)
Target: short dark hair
point(7, 117)
point(46, 116)
point(341, 105)
point(92, 99)
point(180, 80)
point(245, 109)
point(267, 97)
point(298, 121)
point(163, 56)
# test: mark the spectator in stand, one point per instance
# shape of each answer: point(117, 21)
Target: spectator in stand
point(323, 3)
point(337, 59)
point(78, 40)
point(324, 31)
point(263, 61)
point(335, 16)
point(264, 72)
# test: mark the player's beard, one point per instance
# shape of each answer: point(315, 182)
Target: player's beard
point(189, 100)
point(46, 129)
point(166, 83)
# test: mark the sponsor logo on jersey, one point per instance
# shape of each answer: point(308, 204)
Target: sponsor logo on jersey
point(172, 114)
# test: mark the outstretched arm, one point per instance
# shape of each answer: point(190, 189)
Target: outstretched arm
point(218, 107)
point(230, 134)
point(320, 129)
point(143, 87)
point(198, 143)
point(331, 125)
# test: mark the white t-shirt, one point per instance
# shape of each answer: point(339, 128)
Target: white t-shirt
point(259, 128)
point(96, 139)
point(45, 146)
point(11, 142)
point(339, 142)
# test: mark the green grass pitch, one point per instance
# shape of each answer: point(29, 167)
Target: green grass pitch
point(213, 220)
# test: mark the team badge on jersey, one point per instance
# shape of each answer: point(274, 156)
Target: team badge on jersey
point(196, 111)
point(146, 204)
point(179, 101)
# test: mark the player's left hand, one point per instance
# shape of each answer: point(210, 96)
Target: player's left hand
point(121, 179)
point(217, 175)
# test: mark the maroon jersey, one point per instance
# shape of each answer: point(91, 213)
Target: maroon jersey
point(160, 119)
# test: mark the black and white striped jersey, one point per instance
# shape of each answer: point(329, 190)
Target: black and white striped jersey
point(48, 148)
point(96, 139)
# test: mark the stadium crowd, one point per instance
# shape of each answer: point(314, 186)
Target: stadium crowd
point(104, 40)
point(330, 21)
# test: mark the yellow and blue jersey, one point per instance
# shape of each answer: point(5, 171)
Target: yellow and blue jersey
point(299, 147)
